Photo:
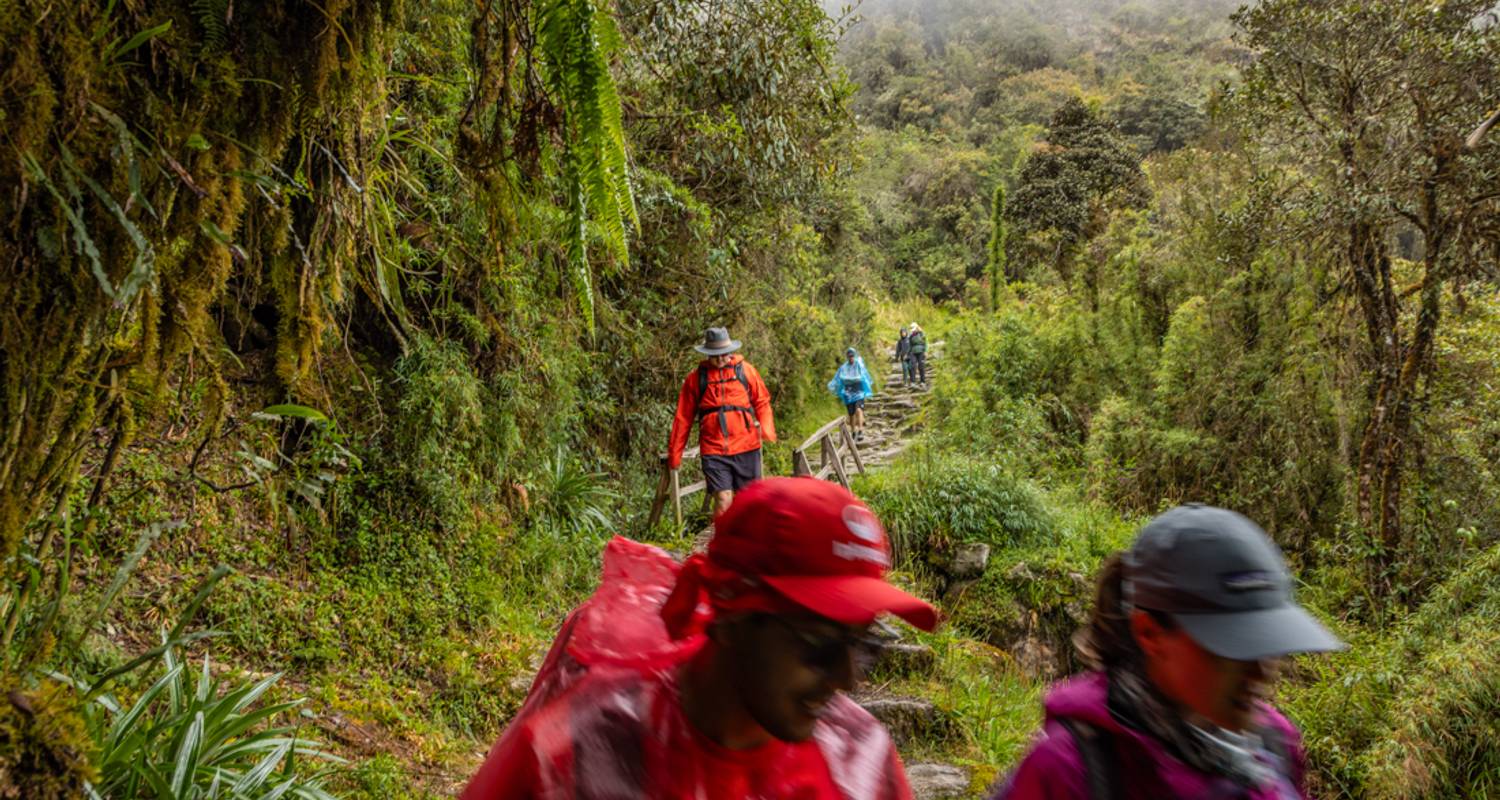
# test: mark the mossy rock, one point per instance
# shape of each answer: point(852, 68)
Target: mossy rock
point(45, 748)
point(1031, 608)
point(904, 660)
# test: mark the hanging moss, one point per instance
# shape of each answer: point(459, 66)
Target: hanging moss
point(153, 133)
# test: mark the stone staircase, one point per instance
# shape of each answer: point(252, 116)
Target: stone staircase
point(892, 421)
point(892, 415)
point(912, 720)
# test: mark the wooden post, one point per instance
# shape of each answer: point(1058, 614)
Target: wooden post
point(800, 465)
point(859, 463)
point(676, 498)
point(831, 454)
point(660, 501)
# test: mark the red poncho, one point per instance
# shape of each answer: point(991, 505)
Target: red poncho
point(604, 721)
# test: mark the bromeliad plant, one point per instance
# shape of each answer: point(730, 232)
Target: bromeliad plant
point(178, 739)
point(200, 739)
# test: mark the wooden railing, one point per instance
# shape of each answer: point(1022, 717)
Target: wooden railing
point(834, 443)
point(670, 487)
point(831, 458)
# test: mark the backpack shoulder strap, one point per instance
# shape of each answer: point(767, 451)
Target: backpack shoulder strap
point(1274, 742)
point(739, 375)
point(702, 385)
point(1101, 764)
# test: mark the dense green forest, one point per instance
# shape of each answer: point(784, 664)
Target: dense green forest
point(340, 336)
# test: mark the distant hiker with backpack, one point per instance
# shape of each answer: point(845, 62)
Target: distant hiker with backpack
point(724, 677)
point(852, 384)
point(916, 344)
point(732, 407)
point(903, 355)
point(1187, 629)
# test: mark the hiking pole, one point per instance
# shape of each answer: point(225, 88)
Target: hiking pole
point(1484, 127)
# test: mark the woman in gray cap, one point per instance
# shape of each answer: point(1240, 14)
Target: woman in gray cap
point(1187, 629)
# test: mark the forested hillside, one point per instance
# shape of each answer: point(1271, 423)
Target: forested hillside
point(1245, 257)
point(341, 336)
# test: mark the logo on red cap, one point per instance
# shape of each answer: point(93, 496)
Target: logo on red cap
point(862, 523)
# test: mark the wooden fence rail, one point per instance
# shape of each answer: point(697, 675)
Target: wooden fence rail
point(834, 443)
point(828, 439)
point(669, 487)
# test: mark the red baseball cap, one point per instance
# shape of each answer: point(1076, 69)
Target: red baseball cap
point(815, 544)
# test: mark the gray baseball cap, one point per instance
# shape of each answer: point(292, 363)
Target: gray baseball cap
point(1223, 580)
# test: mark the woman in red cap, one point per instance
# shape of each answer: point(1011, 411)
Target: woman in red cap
point(1187, 628)
point(721, 679)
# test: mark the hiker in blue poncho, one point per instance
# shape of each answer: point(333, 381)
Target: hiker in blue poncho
point(852, 385)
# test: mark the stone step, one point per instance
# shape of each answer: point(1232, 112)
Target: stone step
point(901, 659)
point(938, 782)
point(909, 719)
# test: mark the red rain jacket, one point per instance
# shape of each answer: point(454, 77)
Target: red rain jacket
point(620, 736)
point(731, 432)
point(604, 721)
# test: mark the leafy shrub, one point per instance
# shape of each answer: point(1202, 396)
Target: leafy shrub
point(1439, 741)
point(442, 424)
point(1022, 382)
point(1135, 462)
point(1411, 713)
point(930, 504)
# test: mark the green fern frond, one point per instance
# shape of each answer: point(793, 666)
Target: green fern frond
point(577, 39)
point(211, 15)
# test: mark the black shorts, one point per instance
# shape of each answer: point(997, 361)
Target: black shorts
point(731, 473)
point(854, 406)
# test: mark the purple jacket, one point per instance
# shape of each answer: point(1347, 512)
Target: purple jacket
point(1054, 769)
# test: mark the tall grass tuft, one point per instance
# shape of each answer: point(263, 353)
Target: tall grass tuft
point(571, 500)
point(1413, 712)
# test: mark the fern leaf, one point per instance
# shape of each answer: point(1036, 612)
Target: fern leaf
point(211, 16)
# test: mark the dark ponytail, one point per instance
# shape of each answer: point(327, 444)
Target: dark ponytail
point(1106, 642)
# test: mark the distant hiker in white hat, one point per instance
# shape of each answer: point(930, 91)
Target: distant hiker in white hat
point(916, 344)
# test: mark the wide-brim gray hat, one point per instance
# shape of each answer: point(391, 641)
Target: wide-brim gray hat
point(1222, 579)
point(716, 342)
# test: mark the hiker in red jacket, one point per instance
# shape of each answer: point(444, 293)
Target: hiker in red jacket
point(733, 409)
point(722, 678)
